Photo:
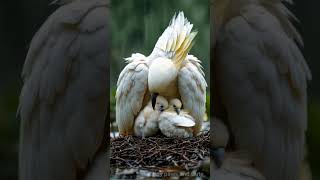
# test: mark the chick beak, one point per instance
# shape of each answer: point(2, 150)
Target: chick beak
point(154, 99)
point(177, 110)
point(161, 109)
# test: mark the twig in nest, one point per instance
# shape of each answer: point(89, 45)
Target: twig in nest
point(159, 151)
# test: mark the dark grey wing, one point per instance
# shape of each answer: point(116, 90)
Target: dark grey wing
point(261, 77)
point(64, 99)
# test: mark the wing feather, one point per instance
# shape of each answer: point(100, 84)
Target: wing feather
point(192, 89)
point(261, 79)
point(182, 121)
point(63, 102)
point(132, 87)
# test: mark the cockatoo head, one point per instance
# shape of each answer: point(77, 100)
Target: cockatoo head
point(176, 105)
point(161, 104)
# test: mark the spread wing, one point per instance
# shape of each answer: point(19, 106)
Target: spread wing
point(63, 102)
point(261, 80)
point(192, 89)
point(132, 88)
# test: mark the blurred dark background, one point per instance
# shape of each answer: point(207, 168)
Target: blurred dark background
point(309, 13)
point(19, 20)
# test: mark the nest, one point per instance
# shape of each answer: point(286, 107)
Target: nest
point(159, 152)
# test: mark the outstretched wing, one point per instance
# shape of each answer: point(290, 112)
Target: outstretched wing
point(192, 89)
point(131, 92)
point(63, 102)
point(261, 80)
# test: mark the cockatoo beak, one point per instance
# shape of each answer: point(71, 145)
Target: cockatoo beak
point(154, 99)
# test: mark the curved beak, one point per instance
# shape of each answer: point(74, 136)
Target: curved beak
point(177, 110)
point(161, 109)
point(154, 99)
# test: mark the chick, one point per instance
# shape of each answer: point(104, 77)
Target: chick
point(174, 122)
point(146, 123)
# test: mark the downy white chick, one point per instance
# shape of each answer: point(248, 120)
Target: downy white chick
point(146, 124)
point(175, 122)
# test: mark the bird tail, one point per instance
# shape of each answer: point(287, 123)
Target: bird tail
point(177, 40)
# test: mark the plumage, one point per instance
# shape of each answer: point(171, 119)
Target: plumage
point(192, 89)
point(260, 82)
point(63, 102)
point(219, 135)
point(146, 123)
point(236, 166)
point(176, 41)
point(175, 122)
point(131, 89)
point(163, 73)
point(183, 121)
point(172, 125)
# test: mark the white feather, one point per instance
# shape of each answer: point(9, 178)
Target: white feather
point(192, 88)
point(171, 125)
point(175, 41)
point(131, 89)
point(183, 121)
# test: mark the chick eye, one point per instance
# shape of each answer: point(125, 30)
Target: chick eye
point(174, 106)
point(161, 106)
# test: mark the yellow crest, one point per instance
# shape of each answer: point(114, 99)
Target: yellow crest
point(177, 40)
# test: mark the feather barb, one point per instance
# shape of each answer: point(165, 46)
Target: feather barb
point(177, 39)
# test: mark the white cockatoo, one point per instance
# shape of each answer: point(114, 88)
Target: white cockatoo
point(168, 71)
point(259, 83)
point(175, 122)
point(146, 123)
point(64, 99)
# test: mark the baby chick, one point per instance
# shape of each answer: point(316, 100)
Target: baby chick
point(146, 123)
point(174, 122)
